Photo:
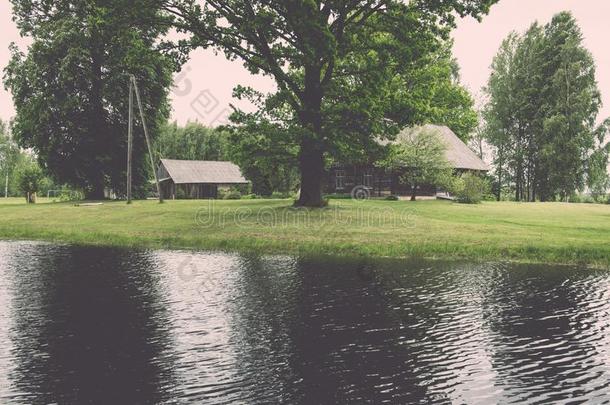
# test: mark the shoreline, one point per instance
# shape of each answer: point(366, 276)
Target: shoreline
point(316, 254)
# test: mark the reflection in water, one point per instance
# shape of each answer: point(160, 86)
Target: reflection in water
point(118, 326)
point(88, 326)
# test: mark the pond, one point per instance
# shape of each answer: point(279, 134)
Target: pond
point(104, 325)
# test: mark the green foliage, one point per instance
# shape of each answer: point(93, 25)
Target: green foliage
point(470, 188)
point(392, 198)
point(266, 156)
point(277, 195)
point(336, 64)
point(69, 195)
point(430, 93)
point(10, 158)
point(235, 192)
point(29, 179)
point(338, 196)
point(581, 199)
point(71, 89)
point(232, 195)
point(598, 178)
point(419, 156)
point(194, 141)
point(180, 193)
point(543, 103)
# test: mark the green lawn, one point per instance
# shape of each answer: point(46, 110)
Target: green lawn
point(527, 232)
point(21, 200)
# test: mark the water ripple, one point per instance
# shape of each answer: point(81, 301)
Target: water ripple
point(81, 325)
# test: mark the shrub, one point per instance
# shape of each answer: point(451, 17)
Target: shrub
point(581, 199)
point(232, 195)
point(29, 180)
point(575, 198)
point(180, 194)
point(337, 196)
point(392, 198)
point(470, 189)
point(250, 197)
point(67, 195)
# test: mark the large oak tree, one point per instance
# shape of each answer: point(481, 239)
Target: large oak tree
point(337, 64)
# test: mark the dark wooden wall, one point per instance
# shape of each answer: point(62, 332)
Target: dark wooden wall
point(379, 182)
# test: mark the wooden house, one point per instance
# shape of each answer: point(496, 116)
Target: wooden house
point(376, 181)
point(197, 178)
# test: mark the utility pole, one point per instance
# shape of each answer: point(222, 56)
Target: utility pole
point(129, 141)
point(133, 87)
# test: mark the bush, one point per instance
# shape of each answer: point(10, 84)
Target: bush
point(180, 193)
point(581, 199)
point(337, 196)
point(67, 195)
point(232, 195)
point(470, 189)
point(29, 180)
point(250, 197)
point(392, 198)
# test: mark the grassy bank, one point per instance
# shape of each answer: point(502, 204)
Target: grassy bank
point(540, 232)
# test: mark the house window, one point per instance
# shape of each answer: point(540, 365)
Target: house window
point(367, 178)
point(340, 179)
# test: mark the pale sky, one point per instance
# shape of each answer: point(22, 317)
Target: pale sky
point(203, 90)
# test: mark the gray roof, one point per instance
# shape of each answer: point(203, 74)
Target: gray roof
point(457, 153)
point(201, 171)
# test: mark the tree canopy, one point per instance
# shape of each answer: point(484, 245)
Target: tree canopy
point(70, 90)
point(193, 141)
point(10, 157)
point(543, 105)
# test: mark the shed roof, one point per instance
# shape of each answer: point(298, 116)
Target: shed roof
point(457, 153)
point(202, 171)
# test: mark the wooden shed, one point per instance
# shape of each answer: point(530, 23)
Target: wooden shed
point(197, 178)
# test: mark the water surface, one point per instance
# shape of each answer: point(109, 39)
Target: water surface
point(81, 325)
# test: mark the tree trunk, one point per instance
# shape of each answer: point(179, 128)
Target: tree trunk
point(311, 162)
point(413, 192)
point(499, 195)
point(98, 127)
point(311, 154)
point(30, 198)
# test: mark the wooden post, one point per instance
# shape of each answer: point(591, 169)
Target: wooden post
point(129, 141)
point(150, 154)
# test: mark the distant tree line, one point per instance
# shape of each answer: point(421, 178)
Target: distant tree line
point(540, 119)
point(20, 174)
